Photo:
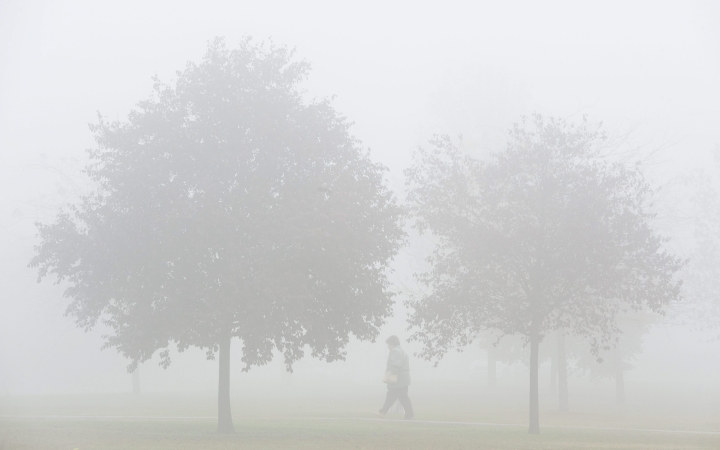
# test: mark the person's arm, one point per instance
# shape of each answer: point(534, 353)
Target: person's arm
point(395, 361)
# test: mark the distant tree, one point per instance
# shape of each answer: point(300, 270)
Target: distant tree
point(511, 349)
point(228, 207)
point(556, 348)
point(503, 349)
point(563, 350)
point(547, 235)
point(702, 274)
point(614, 362)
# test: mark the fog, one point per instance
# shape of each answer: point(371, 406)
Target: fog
point(400, 73)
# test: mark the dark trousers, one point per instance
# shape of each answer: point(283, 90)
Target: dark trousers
point(398, 393)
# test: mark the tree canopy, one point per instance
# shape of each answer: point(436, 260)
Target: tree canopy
point(548, 234)
point(229, 206)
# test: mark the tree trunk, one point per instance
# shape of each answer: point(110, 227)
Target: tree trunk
point(534, 427)
point(619, 379)
point(562, 372)
point(225, 423)
point(491, 367)
point(553, 374)
point(136, 381)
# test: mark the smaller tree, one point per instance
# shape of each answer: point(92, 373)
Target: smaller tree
point(549, 234)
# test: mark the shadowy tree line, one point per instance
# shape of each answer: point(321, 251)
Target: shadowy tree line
point(567, 353)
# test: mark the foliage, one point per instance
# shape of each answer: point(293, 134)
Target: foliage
point(508, 349)
point(547, 233)
point(228, 205)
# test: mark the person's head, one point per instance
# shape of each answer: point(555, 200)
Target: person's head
point(392, 342)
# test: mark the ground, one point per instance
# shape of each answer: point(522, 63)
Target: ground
point(322, 434)
point(341, 419)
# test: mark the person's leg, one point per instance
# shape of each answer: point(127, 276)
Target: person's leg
point(390, 398)
point(406, 403)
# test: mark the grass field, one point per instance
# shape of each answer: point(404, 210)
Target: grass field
point(305, 419)
point(322, 434)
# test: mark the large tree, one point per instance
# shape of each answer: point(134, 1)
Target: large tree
point(229, 206)
point(548, 234)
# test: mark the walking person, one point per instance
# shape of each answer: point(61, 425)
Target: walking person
point(397, 377)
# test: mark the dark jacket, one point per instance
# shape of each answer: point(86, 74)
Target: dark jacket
point(399, 363)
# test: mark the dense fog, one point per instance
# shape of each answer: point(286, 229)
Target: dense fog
point(430, 91)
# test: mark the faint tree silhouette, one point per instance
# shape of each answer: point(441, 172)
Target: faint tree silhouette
point(614, 362)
